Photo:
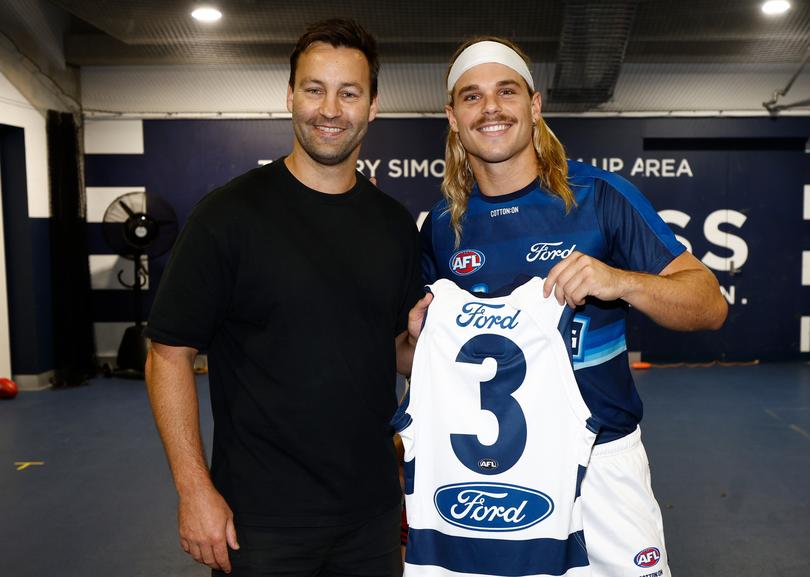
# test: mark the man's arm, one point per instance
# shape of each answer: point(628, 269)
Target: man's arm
point(685, 296)
point(205, 521)
point(405, 342)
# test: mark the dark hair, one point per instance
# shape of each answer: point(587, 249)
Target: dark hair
point(339, 33)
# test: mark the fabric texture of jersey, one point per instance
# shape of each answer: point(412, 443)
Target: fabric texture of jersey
point(297, 297)
point(497, 439)
point(527, 232)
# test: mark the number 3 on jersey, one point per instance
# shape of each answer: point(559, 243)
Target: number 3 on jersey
point(496, 397)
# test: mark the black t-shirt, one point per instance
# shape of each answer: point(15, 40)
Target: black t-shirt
point(296, 296)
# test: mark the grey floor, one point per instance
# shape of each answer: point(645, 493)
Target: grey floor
point(729, 450)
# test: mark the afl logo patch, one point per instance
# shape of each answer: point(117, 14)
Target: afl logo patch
point(466, 262)
point(487, 464)
point(648, 557)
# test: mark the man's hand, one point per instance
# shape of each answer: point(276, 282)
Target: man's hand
point(206, 528)
point(684, 296)
point(416, 317)
point(205, 521)
point(405, 342)
point(579, 276)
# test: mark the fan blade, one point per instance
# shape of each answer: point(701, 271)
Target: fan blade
point(128, 210)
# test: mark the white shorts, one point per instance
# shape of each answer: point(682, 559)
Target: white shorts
point(622, 522)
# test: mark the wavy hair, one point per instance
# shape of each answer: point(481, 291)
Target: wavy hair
point(552, 165)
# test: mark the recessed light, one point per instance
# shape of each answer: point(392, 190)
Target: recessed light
point(775, 7)
point(206, 14)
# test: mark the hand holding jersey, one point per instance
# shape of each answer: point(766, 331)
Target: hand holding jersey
point(675, 298)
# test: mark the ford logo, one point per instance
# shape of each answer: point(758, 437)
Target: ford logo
point(491, 506)
point(648, 557)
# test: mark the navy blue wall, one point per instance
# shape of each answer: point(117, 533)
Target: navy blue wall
point(736, 185)
point(27, 243)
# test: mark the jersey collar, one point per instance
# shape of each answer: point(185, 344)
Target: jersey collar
point(510, 197)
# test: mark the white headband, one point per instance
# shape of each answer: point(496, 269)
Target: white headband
point(485, 52)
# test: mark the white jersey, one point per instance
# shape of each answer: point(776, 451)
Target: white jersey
point(497, 438)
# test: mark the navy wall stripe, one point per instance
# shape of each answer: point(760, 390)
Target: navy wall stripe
point(723, 174)
point(27, 244)
point(496, 556)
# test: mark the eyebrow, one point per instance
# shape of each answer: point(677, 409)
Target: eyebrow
point(474, 87)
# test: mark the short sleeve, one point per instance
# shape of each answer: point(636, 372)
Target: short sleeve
point(636, 237)
point(194, 292)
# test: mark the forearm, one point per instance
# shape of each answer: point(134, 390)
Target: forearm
point(173, 396)
point(405, 346)
point(686, 300)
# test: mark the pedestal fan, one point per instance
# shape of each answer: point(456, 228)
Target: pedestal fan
point(137, 225)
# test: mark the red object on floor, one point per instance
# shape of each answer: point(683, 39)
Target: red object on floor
point(8, 389)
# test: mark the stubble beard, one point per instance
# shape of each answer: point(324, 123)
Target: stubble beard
point(328, 154)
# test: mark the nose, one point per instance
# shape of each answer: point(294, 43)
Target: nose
point(492, 103)
point(330, 106)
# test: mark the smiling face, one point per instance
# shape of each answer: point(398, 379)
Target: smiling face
point(331, 103)
point(493, 111)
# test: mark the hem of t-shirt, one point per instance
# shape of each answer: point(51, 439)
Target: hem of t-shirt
point(606, 435)
point(259, 520)
point(172, 340)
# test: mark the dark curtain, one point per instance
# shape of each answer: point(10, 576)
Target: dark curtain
point(74, 347)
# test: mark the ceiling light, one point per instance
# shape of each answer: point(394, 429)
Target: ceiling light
point(775, 7)
point(206, 14)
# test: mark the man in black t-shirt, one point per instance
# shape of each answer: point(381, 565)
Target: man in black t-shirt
point(296, 278)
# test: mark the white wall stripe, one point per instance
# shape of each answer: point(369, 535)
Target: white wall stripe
point(16, 111)
point(806, 268)
point(807, 202)
point(104, 270)
point(804, 345)
point(113, 136)
point(100, 197)
point(108, 337)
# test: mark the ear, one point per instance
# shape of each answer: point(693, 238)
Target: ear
point(451, 117)
point(289, 98)
point(537, 105)
point(372, 111)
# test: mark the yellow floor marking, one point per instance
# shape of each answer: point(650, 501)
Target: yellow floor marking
point(25, 464)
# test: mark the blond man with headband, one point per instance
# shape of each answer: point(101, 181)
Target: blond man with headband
point(513, 207)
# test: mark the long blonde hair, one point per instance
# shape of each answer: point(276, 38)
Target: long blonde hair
point(552, 165)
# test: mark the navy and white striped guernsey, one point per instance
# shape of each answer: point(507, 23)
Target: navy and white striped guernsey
point(527, 232)
point(497, 439)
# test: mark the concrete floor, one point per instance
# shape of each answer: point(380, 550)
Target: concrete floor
point(729, 449)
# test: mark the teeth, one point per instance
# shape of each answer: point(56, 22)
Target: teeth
point(333, 129)
point(494, 127)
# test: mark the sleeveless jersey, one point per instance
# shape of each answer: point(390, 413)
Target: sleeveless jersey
point(497, 439)
point(529, 231)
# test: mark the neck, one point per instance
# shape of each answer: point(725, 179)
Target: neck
point(497, 178)
point(329, 179)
